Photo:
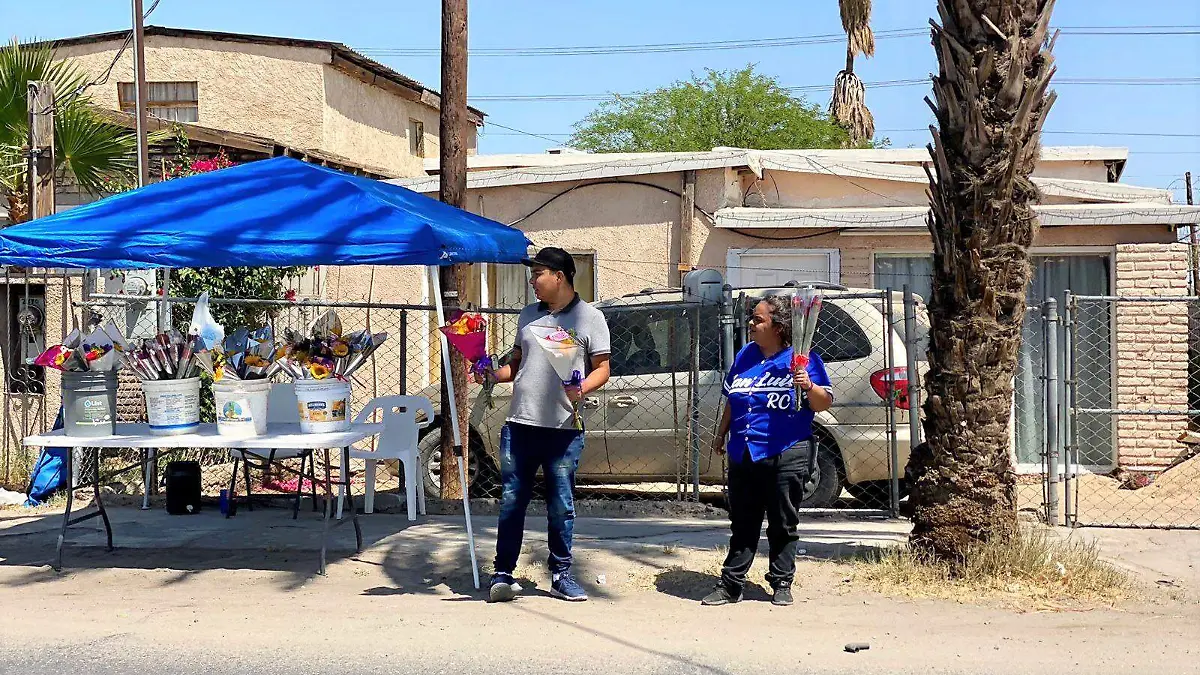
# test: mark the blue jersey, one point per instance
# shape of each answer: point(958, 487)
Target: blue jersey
point(764, 419)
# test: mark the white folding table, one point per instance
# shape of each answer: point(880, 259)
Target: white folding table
point(278, 436)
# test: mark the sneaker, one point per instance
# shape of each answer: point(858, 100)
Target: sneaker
point(782, 596)
point(504, 588)
point(566, 587)
point(721, 595)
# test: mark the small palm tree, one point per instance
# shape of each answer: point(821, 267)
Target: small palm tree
point(88, 149)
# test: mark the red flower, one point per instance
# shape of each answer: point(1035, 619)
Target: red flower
point(290, 295)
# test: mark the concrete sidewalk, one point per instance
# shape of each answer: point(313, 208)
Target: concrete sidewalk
point(263, 537)
point(273, 530)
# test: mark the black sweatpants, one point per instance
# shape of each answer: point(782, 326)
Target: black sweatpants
point(774, 487)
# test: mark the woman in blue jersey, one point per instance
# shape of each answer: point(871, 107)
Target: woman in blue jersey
point(769, 446)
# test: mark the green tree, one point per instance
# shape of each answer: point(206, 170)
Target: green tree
point(88, 149)
point(736, 108)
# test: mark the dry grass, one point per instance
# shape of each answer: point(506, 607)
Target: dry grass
point(1034, 570)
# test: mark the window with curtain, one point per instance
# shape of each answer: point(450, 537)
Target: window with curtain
point(1052, 276)
point(173, 101)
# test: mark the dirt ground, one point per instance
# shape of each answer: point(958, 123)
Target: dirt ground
point(407, 602)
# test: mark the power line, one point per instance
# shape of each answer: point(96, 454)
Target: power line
point(523, 133)
point(884, 84)
point(754, 43)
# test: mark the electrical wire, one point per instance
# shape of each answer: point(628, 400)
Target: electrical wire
point(606, 181)
point(884, 84)
point(756, 43)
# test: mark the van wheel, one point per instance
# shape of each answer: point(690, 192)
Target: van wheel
point(825, 486)
point(481, 474)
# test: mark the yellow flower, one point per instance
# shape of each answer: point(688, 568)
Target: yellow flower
point(319, 372)
point(340, 348)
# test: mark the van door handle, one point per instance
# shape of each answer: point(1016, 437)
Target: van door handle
point(623, 401)
point(591, 403)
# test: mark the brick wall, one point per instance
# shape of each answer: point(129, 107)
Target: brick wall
point(1151, 352)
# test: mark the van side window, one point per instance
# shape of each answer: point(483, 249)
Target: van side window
point(658, 341)
point(839, 337)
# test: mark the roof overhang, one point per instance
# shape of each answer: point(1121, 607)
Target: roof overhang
point(913, 218)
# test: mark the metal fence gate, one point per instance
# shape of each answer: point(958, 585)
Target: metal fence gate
point(1129, 404)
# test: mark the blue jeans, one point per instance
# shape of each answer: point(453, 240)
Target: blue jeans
point(523, 450)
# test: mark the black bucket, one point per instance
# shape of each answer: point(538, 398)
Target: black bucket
point(89, 403)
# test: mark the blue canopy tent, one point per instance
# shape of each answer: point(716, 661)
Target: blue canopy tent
point(273, 213)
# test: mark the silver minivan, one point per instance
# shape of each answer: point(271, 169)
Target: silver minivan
point(638, 425)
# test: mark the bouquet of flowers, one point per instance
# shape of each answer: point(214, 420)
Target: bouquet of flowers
point(95, 353)
point(167, 356)
point(467, 333)
point(806, 308)
point(326, 351)
point(563, 349)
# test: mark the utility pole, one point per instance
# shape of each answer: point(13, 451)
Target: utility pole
point(41, 149)
point(453, 178)
point(143, 148)
point(1195, 254)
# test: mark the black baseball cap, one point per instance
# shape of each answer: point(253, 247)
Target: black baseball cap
point(553, 258)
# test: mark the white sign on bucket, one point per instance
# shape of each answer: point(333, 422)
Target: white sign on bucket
point(241, 407)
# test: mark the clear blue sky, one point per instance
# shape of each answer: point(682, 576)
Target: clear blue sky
point(414, 24)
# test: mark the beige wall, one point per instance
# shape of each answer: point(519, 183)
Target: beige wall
point(288, 94)
point(1151, 353)
point(370, 125)
point(268, 90)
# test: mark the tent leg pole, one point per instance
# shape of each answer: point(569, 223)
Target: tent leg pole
point(436, 285)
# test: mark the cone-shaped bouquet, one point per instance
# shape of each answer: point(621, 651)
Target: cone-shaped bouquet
point(565, 352)
point(806, 308)
point(467, 333)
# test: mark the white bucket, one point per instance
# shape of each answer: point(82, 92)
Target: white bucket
point(241, 407)
point(172, 406)
point(324, 405)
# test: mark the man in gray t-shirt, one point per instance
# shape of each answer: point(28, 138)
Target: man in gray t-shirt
point(560, 355)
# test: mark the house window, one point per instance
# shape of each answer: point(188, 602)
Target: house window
point(173, 101)
point(897, 271)
point(508, 285)
point(416, 138)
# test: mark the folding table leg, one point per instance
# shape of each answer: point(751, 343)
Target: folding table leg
point(350, 499)
point(62, 533)
point(100, 501)
point(246, 474)
point(328, 509)
point(231, 503)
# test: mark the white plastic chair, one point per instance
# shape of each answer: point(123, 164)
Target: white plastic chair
point(401, 433)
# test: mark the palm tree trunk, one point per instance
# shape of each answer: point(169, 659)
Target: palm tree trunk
point(990, 99)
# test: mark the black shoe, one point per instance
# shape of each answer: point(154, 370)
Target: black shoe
point(721, 595)
point(782, 596)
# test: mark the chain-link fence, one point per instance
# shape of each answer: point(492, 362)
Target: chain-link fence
point(1129, 389)
point(649, 431)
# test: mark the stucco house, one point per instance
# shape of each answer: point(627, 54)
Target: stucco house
point(310, 96)
point(854, 217)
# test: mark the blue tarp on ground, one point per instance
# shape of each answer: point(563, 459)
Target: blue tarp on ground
point(272, 213)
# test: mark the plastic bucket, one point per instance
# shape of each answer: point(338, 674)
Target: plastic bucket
point(324, 405)
point(172, 406)
point(89, 403)
point(241, 407)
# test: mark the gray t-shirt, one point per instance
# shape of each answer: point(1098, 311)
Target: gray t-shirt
point(538, 398)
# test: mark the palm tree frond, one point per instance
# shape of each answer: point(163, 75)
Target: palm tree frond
point(856, 21)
